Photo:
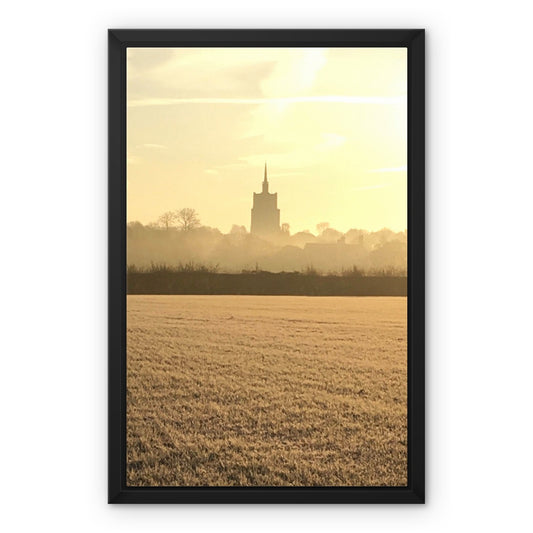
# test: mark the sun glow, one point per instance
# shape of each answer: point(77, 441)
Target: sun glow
point(332, 124)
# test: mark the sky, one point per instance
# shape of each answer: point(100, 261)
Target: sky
point(331, 123)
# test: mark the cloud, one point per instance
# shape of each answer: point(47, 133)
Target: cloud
point(324, 99)
point(157, 146)
point(132, 159)
point(331, 140)
point(370, 187)
point(390, 169)
point(294, 72)
point(285, 174)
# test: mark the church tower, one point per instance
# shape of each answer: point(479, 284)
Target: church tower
point(265, 212)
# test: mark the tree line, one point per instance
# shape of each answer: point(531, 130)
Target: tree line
point(184, 219)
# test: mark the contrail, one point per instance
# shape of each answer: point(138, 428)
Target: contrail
point(326, 99)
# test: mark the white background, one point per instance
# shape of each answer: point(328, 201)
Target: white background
point(53, 268)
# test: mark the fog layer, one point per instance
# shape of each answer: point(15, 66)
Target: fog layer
point(330, 251)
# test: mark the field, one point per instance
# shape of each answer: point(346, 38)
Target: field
point(266, 391)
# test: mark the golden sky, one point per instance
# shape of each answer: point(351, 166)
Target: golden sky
point(331, 123)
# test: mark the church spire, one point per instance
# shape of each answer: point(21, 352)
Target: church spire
point(265, 181)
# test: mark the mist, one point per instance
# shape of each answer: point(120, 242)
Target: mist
point(327, 251)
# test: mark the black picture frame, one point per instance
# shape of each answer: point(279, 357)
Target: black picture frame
point(119, 41)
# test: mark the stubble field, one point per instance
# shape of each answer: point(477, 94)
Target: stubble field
point(266, 391)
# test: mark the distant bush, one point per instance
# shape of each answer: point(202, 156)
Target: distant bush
point(189, 267)
point(309, 270)
point(353, 272)
point(387, 272)
point(194, 281)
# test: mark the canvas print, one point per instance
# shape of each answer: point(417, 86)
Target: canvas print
point(266, 244)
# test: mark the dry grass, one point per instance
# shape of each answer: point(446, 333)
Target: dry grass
point(266, 391)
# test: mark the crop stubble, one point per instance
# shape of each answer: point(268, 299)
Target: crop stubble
point(266, 391)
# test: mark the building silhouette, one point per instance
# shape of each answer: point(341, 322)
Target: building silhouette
point(265, 212)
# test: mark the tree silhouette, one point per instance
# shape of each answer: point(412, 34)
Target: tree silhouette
point(167, 219)
point(187, 219)
point(321, 227)
point(238, 230)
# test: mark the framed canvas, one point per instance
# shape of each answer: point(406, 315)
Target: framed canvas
point(266, 266)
